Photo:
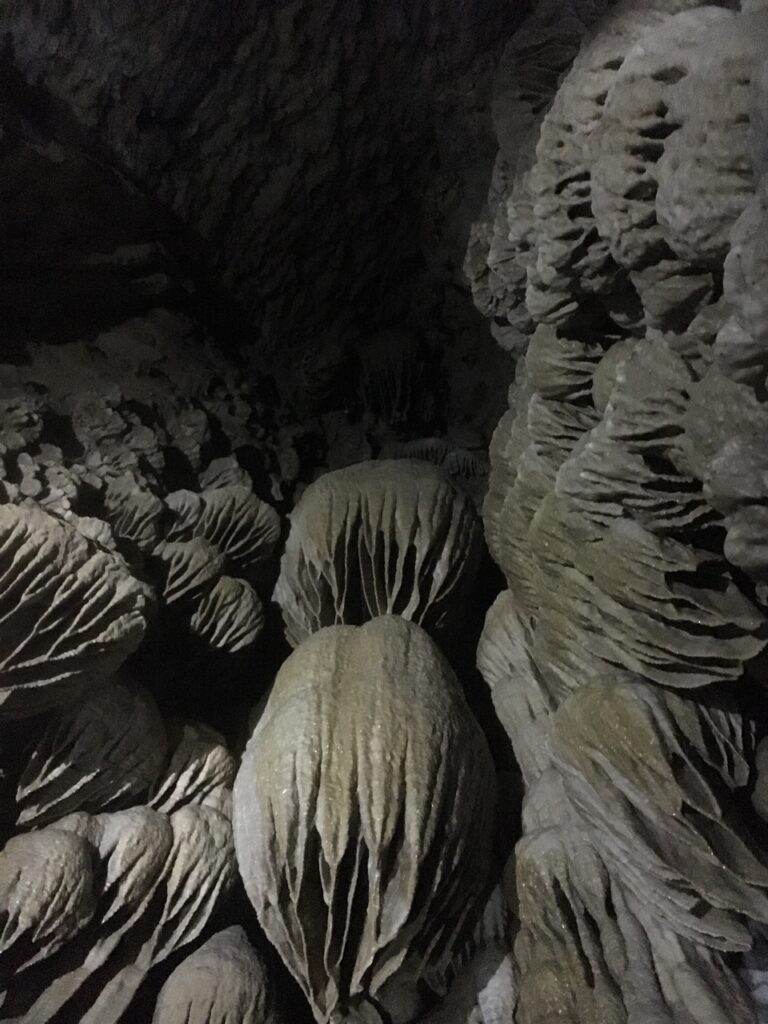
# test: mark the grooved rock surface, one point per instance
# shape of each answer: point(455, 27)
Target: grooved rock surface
point(223, 981)
point(70, 612)
point(363, 813)
point(105, 750)
point(378, 538)
point(626, 507)
point(151, 882)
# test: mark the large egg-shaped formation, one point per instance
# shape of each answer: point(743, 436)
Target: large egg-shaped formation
point(363, 812)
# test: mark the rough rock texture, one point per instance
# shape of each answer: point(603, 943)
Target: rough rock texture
point(374, 863)
point(181, 229)
point(90, 255)
point(70, 613)
point(574, 232)
point(144, 445)
point(378, 538)
point(240, 227)
point(484, 990)
point(625, 508)
point(97, 931)
point(103, 751)
point(294, 140)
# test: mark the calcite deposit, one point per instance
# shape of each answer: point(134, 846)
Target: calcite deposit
point(625, 510)
point(321, 696)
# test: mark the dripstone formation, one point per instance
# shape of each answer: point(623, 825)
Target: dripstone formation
point(248, 771)
point(625, 657)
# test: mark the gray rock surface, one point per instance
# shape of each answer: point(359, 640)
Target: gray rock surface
point(363, 813)
point(295, 140)
point(634, 439)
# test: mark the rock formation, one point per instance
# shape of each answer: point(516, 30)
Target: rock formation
point(623, 510)
point(260, 759)
point(224, 979)
point(363, 813)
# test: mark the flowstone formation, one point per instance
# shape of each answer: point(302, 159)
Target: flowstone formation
point(367, 875)
point(363, 808)
point(141, 538)
point(378, 538)
point(248, 771)
point(145, 477)
point(625, 261)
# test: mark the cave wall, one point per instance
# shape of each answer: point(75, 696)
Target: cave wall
point(623, 261)
point(298, 140)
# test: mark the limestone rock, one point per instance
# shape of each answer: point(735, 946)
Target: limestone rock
point(628, 146)
point(737, 484)
point(200, 770)
point(573, 260)
point(222, 473)
point(185, 508)
point(606, 372)
point(156, 881)
point(134, 513)
point(71, 613)
point(626, 508)
point(667, 611)
point(659, 794)
point(484, 989)
point(392, 376)
point(466, 468)
point(46, 893)
point(230, 617)
point(584, 948)
point(504, 657)
point(243, 527)
point(506, 445)
point(223, 166)
point(606, 481)
point(93, 756)
point(222, 981)
point(705, 174)
point(720, 411)
point(388, 537)
point(741, 350)
point(190, 568)
point(561, 368)
point(367, 730)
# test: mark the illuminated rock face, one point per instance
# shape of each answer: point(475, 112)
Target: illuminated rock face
point(224, 979)
point(363, 813)
point(378, 538)
point(295, 141)
point(72, 612)
point(625, 508)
